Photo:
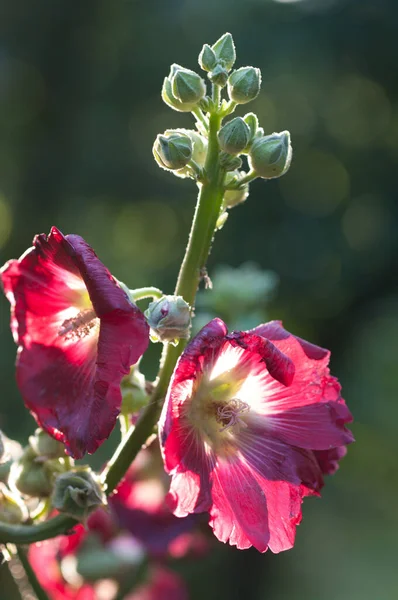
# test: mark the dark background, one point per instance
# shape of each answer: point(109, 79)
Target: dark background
point(79, 109)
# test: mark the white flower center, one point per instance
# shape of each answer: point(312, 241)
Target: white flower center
point(79, 326)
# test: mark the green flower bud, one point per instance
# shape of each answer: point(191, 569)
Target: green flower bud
point(199, 149)
point(234, 136)
point(12, 510)
point(134, 395)
point(224, 50)
point(172, 152)
point(12, 451)
point(230, 163)
point(187, 86)
point(33, 477)
point(234, 197)
point(169, 319)
point(77, 493)
point(207, 58)
point(123, 554)
point(244, 84)
point(219, 76)
point(46, 446)
point(270, 156)
point(251, 121)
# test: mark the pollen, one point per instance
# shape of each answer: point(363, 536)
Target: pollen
point(229, 414)
point(79, 326)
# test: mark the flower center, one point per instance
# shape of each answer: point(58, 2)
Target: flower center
point(79, 326)
point(230, 413)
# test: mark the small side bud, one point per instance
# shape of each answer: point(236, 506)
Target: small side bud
point(45, 446)
point(32, 477)
point(224, 50)
point(207, 58)
point(244, 84)
point(270, 156)
point(234, 136)
point(12, 510)
point(219, 76)
point(169, 319)
point(230, 163)
point(172, 152)
point(234, 197)
point(187, 86)
point(134, 395)
point(77, 493)
point(251, 121)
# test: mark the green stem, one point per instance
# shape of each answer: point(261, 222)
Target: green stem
point(199, 244)
point(245, 179)
point(38, 590)
point(146, 292)
point(200, 117)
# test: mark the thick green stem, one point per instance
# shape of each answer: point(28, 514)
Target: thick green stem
point(192, 270)
point(36, 587)
point(146, 292)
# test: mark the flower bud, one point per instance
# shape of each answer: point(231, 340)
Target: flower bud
point(199, 149)
point(219, 76)
point(207, 58)
point(77, 493)
point(12, 510)
point(244, 84)
point(230, 163)
point(187, 86)
point(32, 477)
point(270, 156)
point(169, 319)
point(234, 197)
point(224, 50)
point(234, 136)
point(251, 121)
point(134, 395)
point(45, 446)
point(172, 152)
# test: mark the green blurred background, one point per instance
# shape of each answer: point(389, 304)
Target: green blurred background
point(79, 109)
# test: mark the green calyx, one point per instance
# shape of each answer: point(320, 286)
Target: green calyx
point(234, 136)
point(173, 151)
point(77, 493)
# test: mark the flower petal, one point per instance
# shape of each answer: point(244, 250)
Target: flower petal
point(239, 512)
point(71, 383)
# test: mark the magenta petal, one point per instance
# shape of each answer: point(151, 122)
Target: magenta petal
point(329, 459)
point(69, 370)
point(279, 365)
point(238, 500)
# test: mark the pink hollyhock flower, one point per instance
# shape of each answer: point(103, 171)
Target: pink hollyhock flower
point(78, 334)
point(251, 421)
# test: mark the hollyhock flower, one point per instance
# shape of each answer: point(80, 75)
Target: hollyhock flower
point(250, 423)
point(78, 334)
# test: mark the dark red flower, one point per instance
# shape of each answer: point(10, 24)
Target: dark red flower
point(78, 334)
point(250, 423)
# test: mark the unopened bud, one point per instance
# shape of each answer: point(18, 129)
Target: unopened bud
point(169, 319)
point(234, 197)
point(172, 152)
point(224, 50)
point(12, 510)
point(234, 136)
point(46, 446)
point(33, 477)
point(207, 58)
point(187, 86)
point(77, 493)
point(251, 121)
point(244, 84)
point(270, 156)
point(230, 163)
point(219, 76)
point(199, 149)
point(134, 395)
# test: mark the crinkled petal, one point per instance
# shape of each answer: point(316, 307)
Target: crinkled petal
point(279, 365)
point(71, 383)
point(239, 513)
point(329, 459)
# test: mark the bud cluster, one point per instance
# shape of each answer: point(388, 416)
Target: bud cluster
point(184, 151)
